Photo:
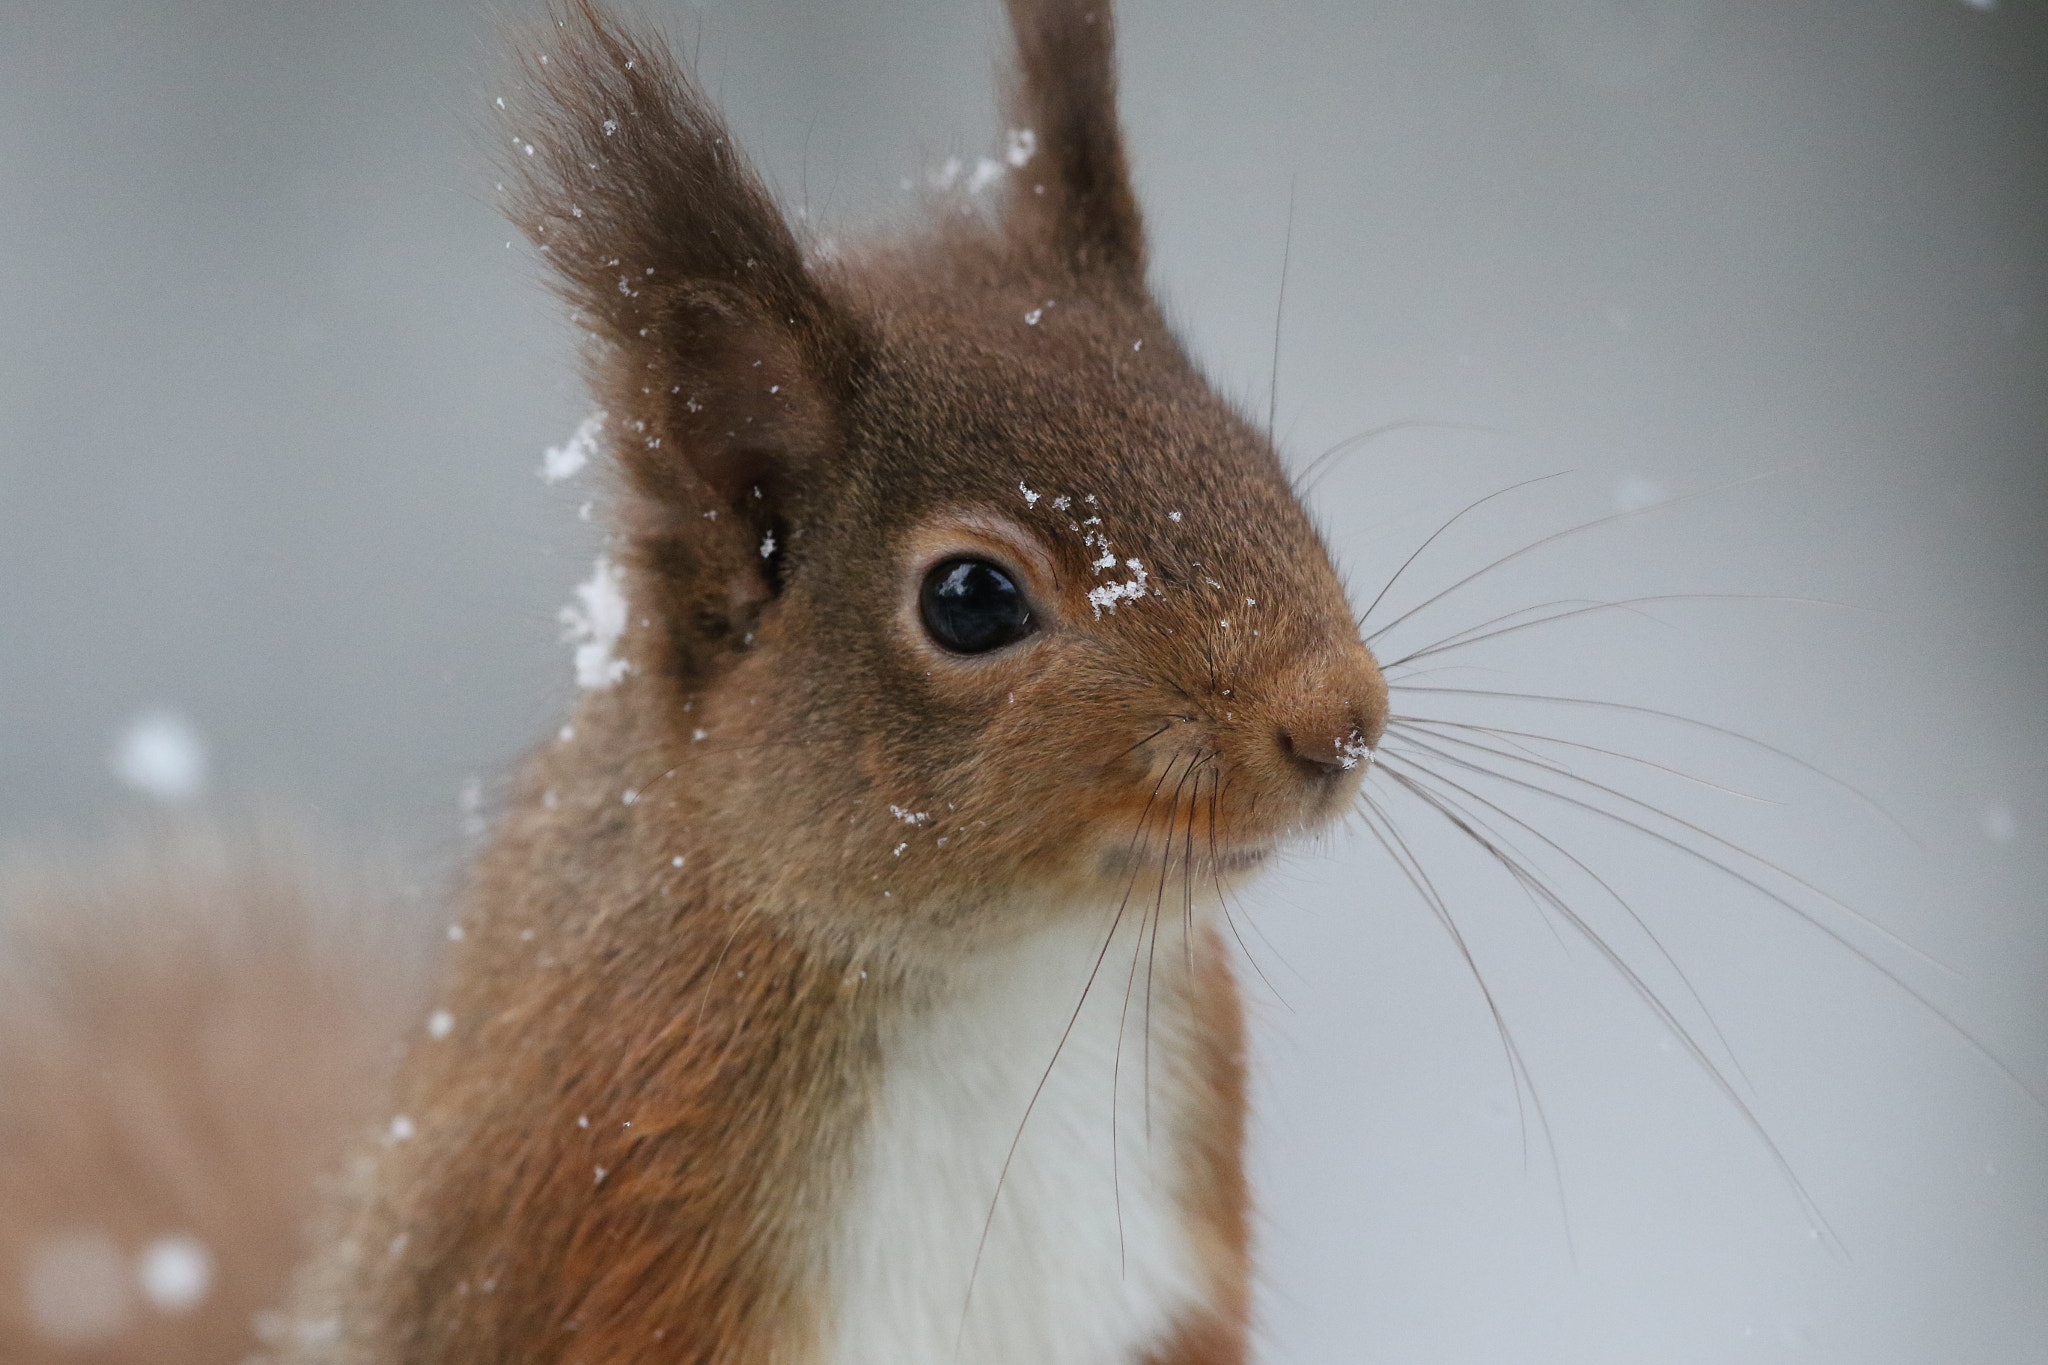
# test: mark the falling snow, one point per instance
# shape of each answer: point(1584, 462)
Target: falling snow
point(985, 173)
point(175, 1273)
point(567, 460)
point(594, 623)
point(161, 755)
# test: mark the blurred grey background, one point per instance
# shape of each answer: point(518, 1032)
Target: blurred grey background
point(274, 392)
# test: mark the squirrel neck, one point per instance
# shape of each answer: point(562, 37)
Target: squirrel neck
point(672, 1127)
point(1037, 1136)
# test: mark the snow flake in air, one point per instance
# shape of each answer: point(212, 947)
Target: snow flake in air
point(175, 1273)
point(567, 460)
point(985, 173)
point(162, 755)
point(1019, 147)
point(594, 623)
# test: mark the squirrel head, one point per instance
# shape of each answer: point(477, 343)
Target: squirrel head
point(948, 581)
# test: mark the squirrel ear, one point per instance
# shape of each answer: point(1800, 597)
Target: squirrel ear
point(719, 362)
point(1075, 197)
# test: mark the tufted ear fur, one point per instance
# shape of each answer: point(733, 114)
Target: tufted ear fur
point(1079, 204)
point(720, 364)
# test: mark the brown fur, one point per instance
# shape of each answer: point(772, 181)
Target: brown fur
point(1219, 1197)
point(716, 1024)
point(193, 1031)
point(685, 945)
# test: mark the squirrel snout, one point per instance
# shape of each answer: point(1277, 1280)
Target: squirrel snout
point(1324, 750)
point(1329, 727)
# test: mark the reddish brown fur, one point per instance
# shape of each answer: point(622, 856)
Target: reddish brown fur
point(1219, 1197)
point(699, 913)
point(192, 1033)
point(717, 1024)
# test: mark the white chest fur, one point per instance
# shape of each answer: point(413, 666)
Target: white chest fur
point(1087, 1259)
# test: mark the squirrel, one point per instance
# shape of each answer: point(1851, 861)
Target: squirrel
point(848, 982)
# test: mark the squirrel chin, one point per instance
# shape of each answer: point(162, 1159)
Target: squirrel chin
point(1208, 870)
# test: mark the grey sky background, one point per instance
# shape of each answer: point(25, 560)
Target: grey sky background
point(273, 392)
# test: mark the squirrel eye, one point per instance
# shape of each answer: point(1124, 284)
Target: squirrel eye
point(970, 606)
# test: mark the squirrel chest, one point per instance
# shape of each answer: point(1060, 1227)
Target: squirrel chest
point(1025, 1149)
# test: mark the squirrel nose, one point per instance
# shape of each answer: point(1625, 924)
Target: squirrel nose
point(1328, 726)
point(1325, 747)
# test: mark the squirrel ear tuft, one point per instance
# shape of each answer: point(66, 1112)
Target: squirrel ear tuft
point(720, 363)
point(1074, 197)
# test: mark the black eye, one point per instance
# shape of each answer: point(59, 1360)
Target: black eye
point(971, 607)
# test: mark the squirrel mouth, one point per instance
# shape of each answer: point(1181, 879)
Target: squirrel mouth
point(1203, 864)
point(1227, 861)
